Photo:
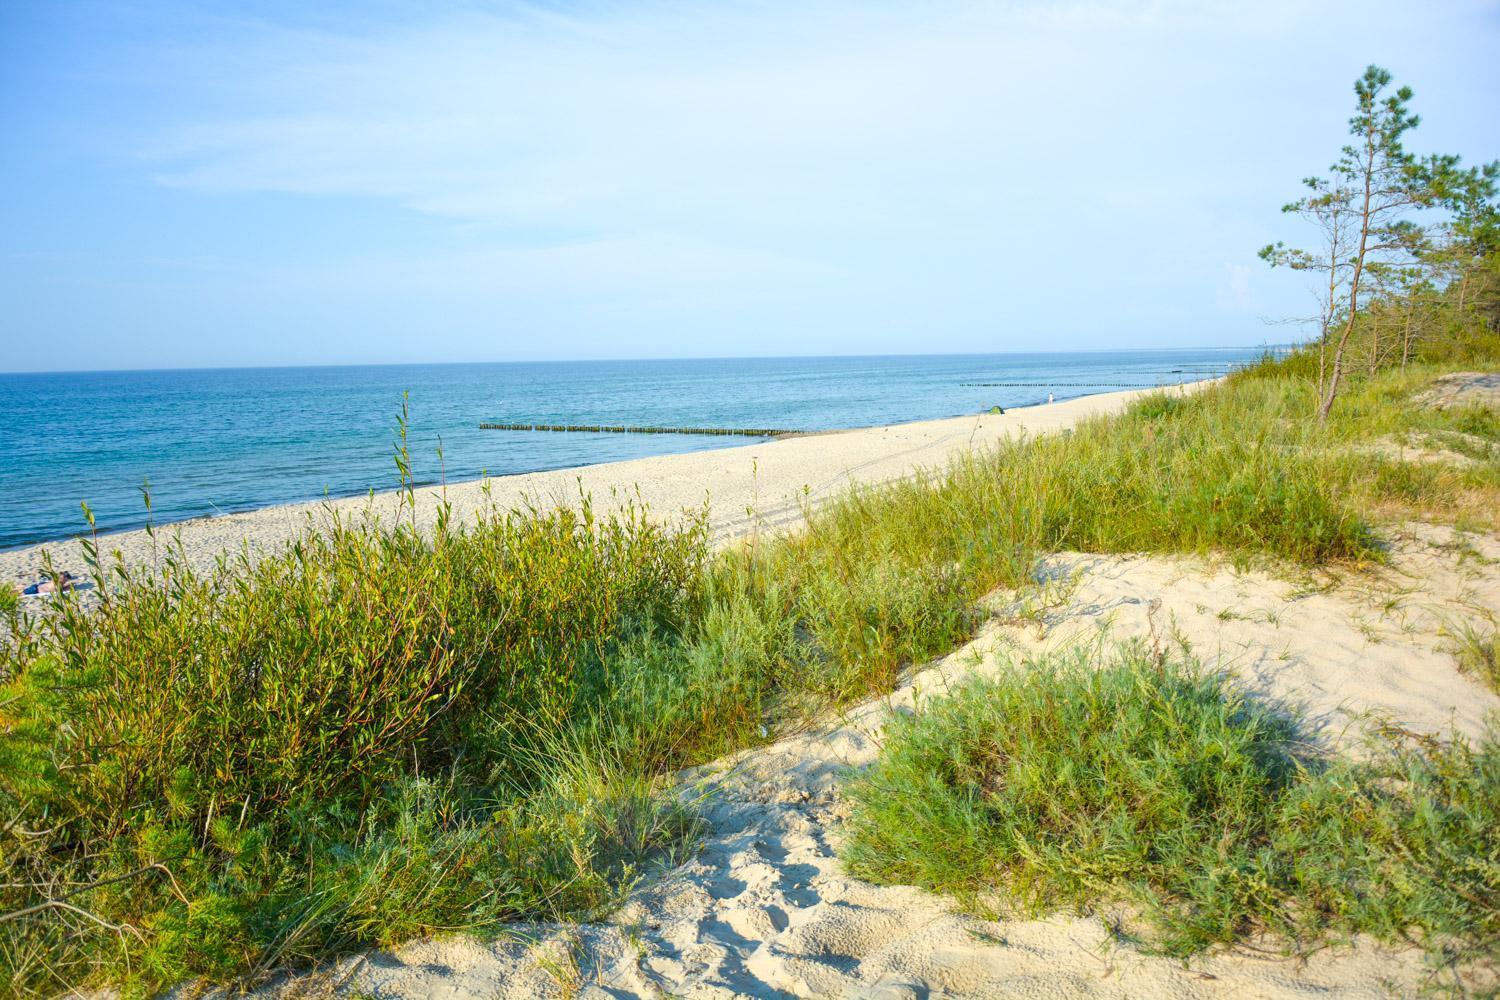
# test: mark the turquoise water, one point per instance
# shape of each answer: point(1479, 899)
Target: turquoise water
point(223, 440)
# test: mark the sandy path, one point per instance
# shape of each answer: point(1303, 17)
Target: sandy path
point(764, 909)
point(772, 478)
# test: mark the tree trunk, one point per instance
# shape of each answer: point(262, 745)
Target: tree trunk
point(1406, 340)
point(1359, 267)
point(1333, 274)
point(1337, 374)
point(1322, 361)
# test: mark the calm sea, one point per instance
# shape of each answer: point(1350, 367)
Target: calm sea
point(216, 441)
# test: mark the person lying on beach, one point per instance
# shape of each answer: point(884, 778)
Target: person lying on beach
point(63, 581)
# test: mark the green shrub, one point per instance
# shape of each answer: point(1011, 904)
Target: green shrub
point(319, 674)
point(1157, 405)
point(1061, 784)
point(1153, 784)
point(220, 742)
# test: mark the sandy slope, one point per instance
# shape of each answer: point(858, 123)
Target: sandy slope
point(774, 478)
point(765, 910)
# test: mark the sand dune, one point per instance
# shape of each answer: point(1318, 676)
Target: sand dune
point(764, 908)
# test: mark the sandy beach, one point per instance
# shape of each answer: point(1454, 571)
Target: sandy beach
point(757, 486)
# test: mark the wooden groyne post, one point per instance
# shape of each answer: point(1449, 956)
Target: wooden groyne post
point(623, 429)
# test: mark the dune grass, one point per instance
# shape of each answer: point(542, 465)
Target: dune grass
point(270, 762)
point(1148, 784)
point(1478, 653)
point(382, 732)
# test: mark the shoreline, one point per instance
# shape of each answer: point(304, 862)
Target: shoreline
point(759, 486)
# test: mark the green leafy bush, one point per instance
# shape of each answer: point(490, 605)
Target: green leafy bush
point(221, 744)
point(1146, 782)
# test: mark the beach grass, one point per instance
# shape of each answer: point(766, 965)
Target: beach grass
point(382, 732)
point(1478, 653)
point(1191, 812)
point(257, 754)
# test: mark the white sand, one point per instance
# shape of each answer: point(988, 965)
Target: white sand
point(1463, 389)
point(772, 478)
point(765, 909)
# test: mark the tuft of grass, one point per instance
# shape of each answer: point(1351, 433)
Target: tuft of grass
point(1476, 421)
point(1149, 783)
point(1478, 653)
point(1060, 785)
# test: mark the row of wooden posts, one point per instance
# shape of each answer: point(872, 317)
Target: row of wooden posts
point(1060, 385)
point(621, 429)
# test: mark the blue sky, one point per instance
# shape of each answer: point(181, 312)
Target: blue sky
point(192, 184)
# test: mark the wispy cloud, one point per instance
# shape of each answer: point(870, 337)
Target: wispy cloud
point(740, 119)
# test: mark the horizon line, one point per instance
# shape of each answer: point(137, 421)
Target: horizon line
point(639, 360)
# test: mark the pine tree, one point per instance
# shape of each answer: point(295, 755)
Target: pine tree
point(1387, 181)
